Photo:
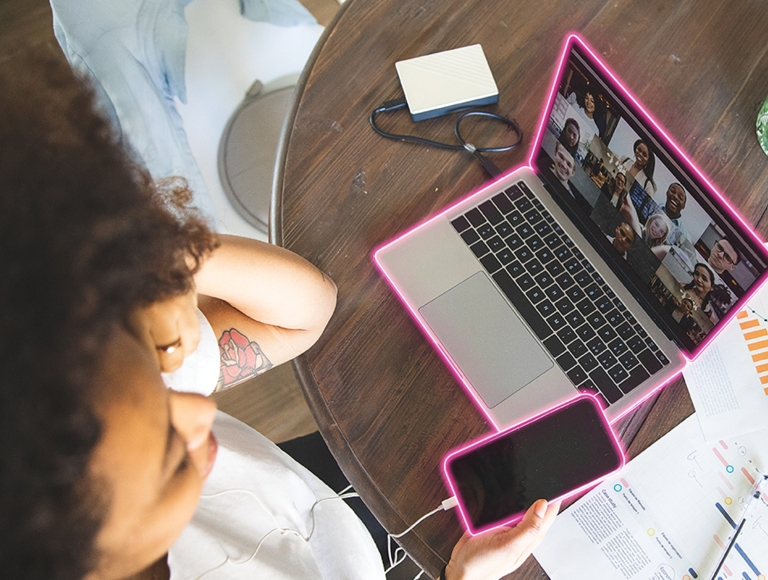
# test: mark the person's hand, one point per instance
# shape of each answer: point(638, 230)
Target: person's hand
point(170, 328)
point(498, 552)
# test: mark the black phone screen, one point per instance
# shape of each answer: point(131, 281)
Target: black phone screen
point(548, 457)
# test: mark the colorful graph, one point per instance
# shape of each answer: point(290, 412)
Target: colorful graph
point(756, 337)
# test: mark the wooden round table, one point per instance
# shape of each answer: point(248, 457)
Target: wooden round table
point(383, 400)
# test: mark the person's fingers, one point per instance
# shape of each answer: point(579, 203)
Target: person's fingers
point(536, 528)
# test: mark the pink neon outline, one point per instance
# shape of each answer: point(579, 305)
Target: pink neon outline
point(514, 518)
point(685, 160)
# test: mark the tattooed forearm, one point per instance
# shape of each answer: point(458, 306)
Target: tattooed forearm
point(241, 359)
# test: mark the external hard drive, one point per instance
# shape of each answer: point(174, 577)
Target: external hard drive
point(443, 82)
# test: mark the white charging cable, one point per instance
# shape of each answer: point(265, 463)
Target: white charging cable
point(398, 556)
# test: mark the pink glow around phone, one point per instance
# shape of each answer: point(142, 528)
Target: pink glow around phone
point(574, 449)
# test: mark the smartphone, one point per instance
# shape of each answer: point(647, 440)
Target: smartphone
point(560, 452)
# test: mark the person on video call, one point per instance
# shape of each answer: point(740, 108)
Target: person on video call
point(723, 257)
point(642, 167)
point(592, 118)
point(117, 285)
point(624, 237)
point(700, 286)
point(570, 136)
point(676, 198)
point(564, 168)
point(617, 191)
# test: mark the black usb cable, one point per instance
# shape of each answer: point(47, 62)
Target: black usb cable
point(488, 165)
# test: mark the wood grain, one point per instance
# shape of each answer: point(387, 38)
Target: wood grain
point(384, 401)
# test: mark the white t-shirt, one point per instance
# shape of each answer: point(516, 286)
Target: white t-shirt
point(261, 514)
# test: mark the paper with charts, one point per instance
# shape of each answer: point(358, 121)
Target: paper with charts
point(667, 515)
point(728, 382)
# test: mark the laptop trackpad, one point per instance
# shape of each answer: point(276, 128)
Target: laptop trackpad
point(486, 339)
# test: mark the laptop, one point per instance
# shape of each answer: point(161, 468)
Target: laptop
point(602, 266)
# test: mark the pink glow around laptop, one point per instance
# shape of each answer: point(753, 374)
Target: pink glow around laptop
point(452, 486)
point(684, 159)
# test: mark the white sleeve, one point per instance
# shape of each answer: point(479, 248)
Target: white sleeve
point(200, 371)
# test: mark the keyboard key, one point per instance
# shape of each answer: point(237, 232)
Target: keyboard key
point(628, 360)
point(566, 334)
point(505, 256)
point(534, 267)
point(486, 231)
point(586, 332)
point(578, 349)
point(635, 343)
point(574, 293)
point(625, 331)
point(495, 244)
point(552, 241)
point(566, 361)
point(575, 319)
point(490, 263)
point(606, 333)
point(513, 193)
point(504, 229)
point(475, 217)
point(571, 265)
point(515, 269)
point(595, 320)
point(587, 361)
point(618, 374)
point(563, 305)
point(460, 223)
point(554, 268)
point(524, 230)
point(515, 218)
point(618, 347)
point(596, 346)
point(586, 308)
point(546, 308)
point(636, 377)
point(662, 359)
point(582, 278)
point(535, 295)
point(564, 280)
point(503, 203)
point(556, 321)
point(604, 304)
point(479, 249)
point(470, 237)
point(533, 217)
point(606, 359)
point(544, 255)
point(554, 293)
point(491, 212)
point(563, 253)
point(650, 362)
point(554, 346)
point(543, 228)
point(605, 384)
point(525, 282)
point(523, 254)
point(544, 279)
point(577, 375)
point(523, 205)
point(523, 306)
point(593, 291)
point(614, 318)
point(535, 243)
point(525, 189)
point(514, 242)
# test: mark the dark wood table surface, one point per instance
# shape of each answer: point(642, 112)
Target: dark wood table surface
point(384, 402)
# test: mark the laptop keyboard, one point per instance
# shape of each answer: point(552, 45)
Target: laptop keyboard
point(581, 322)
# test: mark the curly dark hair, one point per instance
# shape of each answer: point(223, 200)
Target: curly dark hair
point(86, 237)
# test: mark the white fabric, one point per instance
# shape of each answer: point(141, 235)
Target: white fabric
point(256, 517)
point(200, 372)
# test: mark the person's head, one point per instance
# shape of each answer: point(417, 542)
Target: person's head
point(723, 256)
point(657, 229)
point(676, 198)
point(686, 306)
point(703, 280)
point(86, 239)
point(645, 160)
point(565, 165)
point(571, 135)
point(624, 237)
point(619, 183)
point(589, 103)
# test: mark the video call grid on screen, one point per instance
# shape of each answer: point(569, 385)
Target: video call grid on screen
point(648, 217)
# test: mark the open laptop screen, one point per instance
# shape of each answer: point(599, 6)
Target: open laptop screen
point(660, 226)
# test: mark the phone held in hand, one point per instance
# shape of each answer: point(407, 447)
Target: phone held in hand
point(553, 455)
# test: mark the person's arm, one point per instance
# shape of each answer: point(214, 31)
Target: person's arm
point(629, 213)
point(266, 305)
point(496, 553)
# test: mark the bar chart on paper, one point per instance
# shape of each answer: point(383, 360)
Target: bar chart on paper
point(668, 515)
point(755, 332)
